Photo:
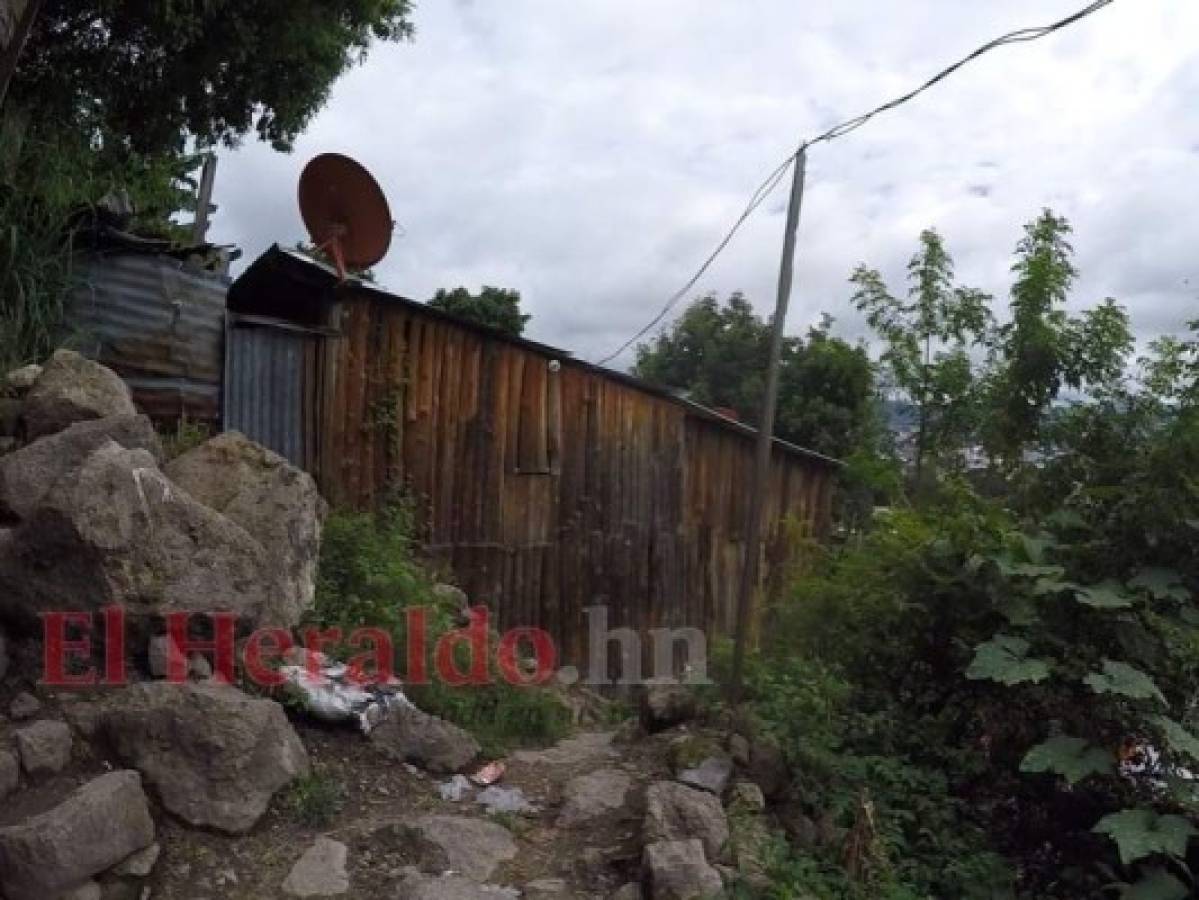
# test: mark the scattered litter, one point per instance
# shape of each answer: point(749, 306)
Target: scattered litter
point(505, 800)
point(327, 692)
point(489, 774)
point(454, 789)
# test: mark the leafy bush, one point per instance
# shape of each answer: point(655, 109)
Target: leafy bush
point(1004, 686)
point(370, 575)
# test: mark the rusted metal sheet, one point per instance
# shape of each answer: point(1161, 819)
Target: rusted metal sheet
point(157, 324)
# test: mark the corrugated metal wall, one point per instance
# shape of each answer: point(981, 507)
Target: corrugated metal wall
point(270, 389)
point(547, 486)
point(156, 323)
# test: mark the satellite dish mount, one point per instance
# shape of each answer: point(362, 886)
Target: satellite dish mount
point(345, 212)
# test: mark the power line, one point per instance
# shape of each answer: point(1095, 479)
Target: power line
point(764, 190)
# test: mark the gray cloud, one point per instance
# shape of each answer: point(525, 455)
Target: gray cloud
point(591, 154)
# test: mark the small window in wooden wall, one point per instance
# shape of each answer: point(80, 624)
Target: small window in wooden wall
point(538, 419)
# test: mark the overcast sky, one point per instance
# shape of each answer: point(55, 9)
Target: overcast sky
point(590, 153)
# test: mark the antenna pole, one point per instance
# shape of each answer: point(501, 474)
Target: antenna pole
point(761, 476)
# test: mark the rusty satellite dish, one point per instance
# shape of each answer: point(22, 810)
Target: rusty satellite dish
point(344, 211)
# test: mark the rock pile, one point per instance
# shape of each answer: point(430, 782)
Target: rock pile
point(228, 527)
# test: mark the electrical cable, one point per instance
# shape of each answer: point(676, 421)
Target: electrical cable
point(764, 190)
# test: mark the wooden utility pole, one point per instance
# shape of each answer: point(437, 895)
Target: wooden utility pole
point(204, 207)
point(761, 476)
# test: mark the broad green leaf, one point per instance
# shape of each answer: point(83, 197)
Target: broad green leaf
point(1121, 678)
point(1155, 884)
point(1066, 519)
point(1035, 547)
point(1044, 586)
point(1179, 738)
point(1020, 610)
point(1005, 659)
point(1106, 595)
point(1070, 757)
point(1141, 832)
point(1029, 570)
point(1161, 584)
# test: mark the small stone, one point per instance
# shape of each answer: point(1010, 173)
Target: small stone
point(24, 706)
point(198, 667)
point(711, 775)
point(320, 872)
point(10, 773)
point(158, 652)
point(630, 891)
point(139, 864)
point(45, 746)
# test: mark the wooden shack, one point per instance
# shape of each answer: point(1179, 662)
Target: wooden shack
point(547, 484)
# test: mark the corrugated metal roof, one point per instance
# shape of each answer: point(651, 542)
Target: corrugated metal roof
point(280, 261)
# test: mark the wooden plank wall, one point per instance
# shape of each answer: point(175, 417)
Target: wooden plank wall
point(546, 486)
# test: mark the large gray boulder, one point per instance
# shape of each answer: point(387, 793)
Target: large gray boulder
point(675, 812)
point(277, 503)
point(95, 828)
point(409, 735)
point(28, 474)
point(117, 531)
point(72, 388)
point(214, 755)
point(677, 870)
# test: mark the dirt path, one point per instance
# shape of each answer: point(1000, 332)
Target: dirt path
point(589, 856)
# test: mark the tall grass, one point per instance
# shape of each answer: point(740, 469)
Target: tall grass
point(41, 180)
point(52, 175)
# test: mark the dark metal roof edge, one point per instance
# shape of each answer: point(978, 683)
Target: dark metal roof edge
point(295, 257)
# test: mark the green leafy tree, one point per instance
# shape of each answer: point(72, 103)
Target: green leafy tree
point(1042, 350)
point(149, 75)
point(716, 354)
point(495, 307)
point(927, 339)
